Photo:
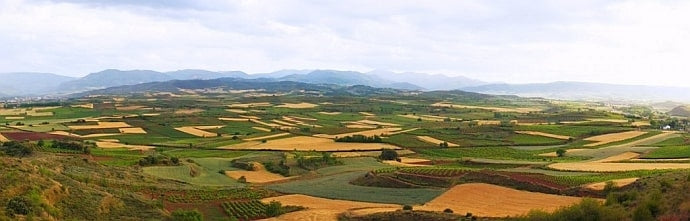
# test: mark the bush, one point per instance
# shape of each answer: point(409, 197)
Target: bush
point(19, 206)
point(187, 215)
point(17, 149)
point(407, 208)
point(388, 154)
point(560, 152)
point(448, 210)
point(360, 139)
point(274, 209)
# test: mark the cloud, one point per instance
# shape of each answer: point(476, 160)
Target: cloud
point(619, 42)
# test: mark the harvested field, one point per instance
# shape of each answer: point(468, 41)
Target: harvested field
point(150, 114)
point(132, 130)
point(111, 145)
point(272, 125)
point(492, 122)
point(87, 106)
point(259, 175)
point(298, 105)
point(640, 124)
point(262, 129)
point(367, 114)
point(536, 133)
point(98, 135)
point(14, 118)
point(377, 132)
point(3, 138)
point(368, 153)
point(189, 111)
point(330, 113)
point(610, 138)
point(402, 131)
point(486, 200)
point(617, 183)
point(198, 130)
point(306, 143)
point(409, 162)
point(233, 119)
point(607, 165)
point(325, 209)
point(496, 109)
point(237, 111)
point(360, 126)
point(435, 141)
point(298, 122)
point(248, 105)
point(39, 114)
point(304, 118)
point(284, 123)
point(100, 125)
point(371, 122)
point(608, 120)
point(267, 137)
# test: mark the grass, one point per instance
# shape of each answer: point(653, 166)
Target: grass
point(338, 187)
point(572, 130)
point(200, 153)
point(192, 174)
point(499, 153)
point(353, 164)
point(669, 152)
point(643, 136)
point(117, 157)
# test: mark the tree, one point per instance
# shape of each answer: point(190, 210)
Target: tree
point(407, 208)
point(41, 143)
point(560, 152)
point(448, 210)
point(274, 208)
point(187, 215)
point(388, 154)
point(17, 149)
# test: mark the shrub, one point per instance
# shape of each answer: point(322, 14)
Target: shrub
point(407, 208)
point(560, 152)
point(388, 154)
point(448, 210)
point(274, 208)
point(17, 149)
point(19, 206)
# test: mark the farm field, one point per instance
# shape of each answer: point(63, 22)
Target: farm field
point(323, 156)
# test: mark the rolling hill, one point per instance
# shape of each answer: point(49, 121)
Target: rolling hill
point(27, 83)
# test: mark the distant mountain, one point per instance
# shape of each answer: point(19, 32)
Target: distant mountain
point(428, 81)
point(280, 74)
point(27, 83)
point(586, 91)
point(680, 111)
point(112, 77)
point(348, 78)
point(665, 106)
point(189, 74)
point(267, 85)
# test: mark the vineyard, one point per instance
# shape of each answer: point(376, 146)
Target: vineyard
point(436, 171)
point(197, 196)
point(246, 210)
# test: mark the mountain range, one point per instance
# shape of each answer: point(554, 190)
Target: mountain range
point(37, 84)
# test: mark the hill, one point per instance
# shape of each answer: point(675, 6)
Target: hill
point(348, 78)
point(27, 83)
point(428, 81)
point(112, 77)
point(681, 111)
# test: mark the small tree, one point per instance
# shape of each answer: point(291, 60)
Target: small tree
point(242, 179)
point(388, 154)
point(274, 208)
point(448, 210)
point(41, 143)
point(560, 152)
point(19, 206)
point(407, 208)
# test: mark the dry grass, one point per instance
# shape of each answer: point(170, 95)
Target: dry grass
point(198, 130)
point(298, 122)
point(189, 111)
point(304, 118)
point(267, 137)
point(432, 140)
point(486, 200)
point(101, 125)
point(150, 114)
point(428, 117)
point(367, 114)
point(132, 130)
point(302, 105)
point(368, 153)
point(284, 123)
point(617, 183)
point(496, 109)
point(378, 123)
point(272, 125)
point(614, 137)
point(233, 119)
point(262, 129)
point(493, 122)
point(325, 209)
point(87, 106)
point(641, 123)
point(536, 133)
point(330, 113)
point(368, 133)
point(3, 138)
point(360, 126)
point(259, 175)
point(110, 145)
point(14, 118)
point(553, 154)
point(608, 165)
point(306, 143)
point(608, 120)
point(250, 117)
point(408, 162)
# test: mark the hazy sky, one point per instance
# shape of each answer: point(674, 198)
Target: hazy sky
point(632, 42)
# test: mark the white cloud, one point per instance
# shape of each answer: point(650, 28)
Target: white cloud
point(635, 42)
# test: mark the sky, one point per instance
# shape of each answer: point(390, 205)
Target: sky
point(624, 42)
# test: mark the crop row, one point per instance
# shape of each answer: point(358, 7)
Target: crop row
point(191, 196)
point(433, 171)
point(245, 210)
